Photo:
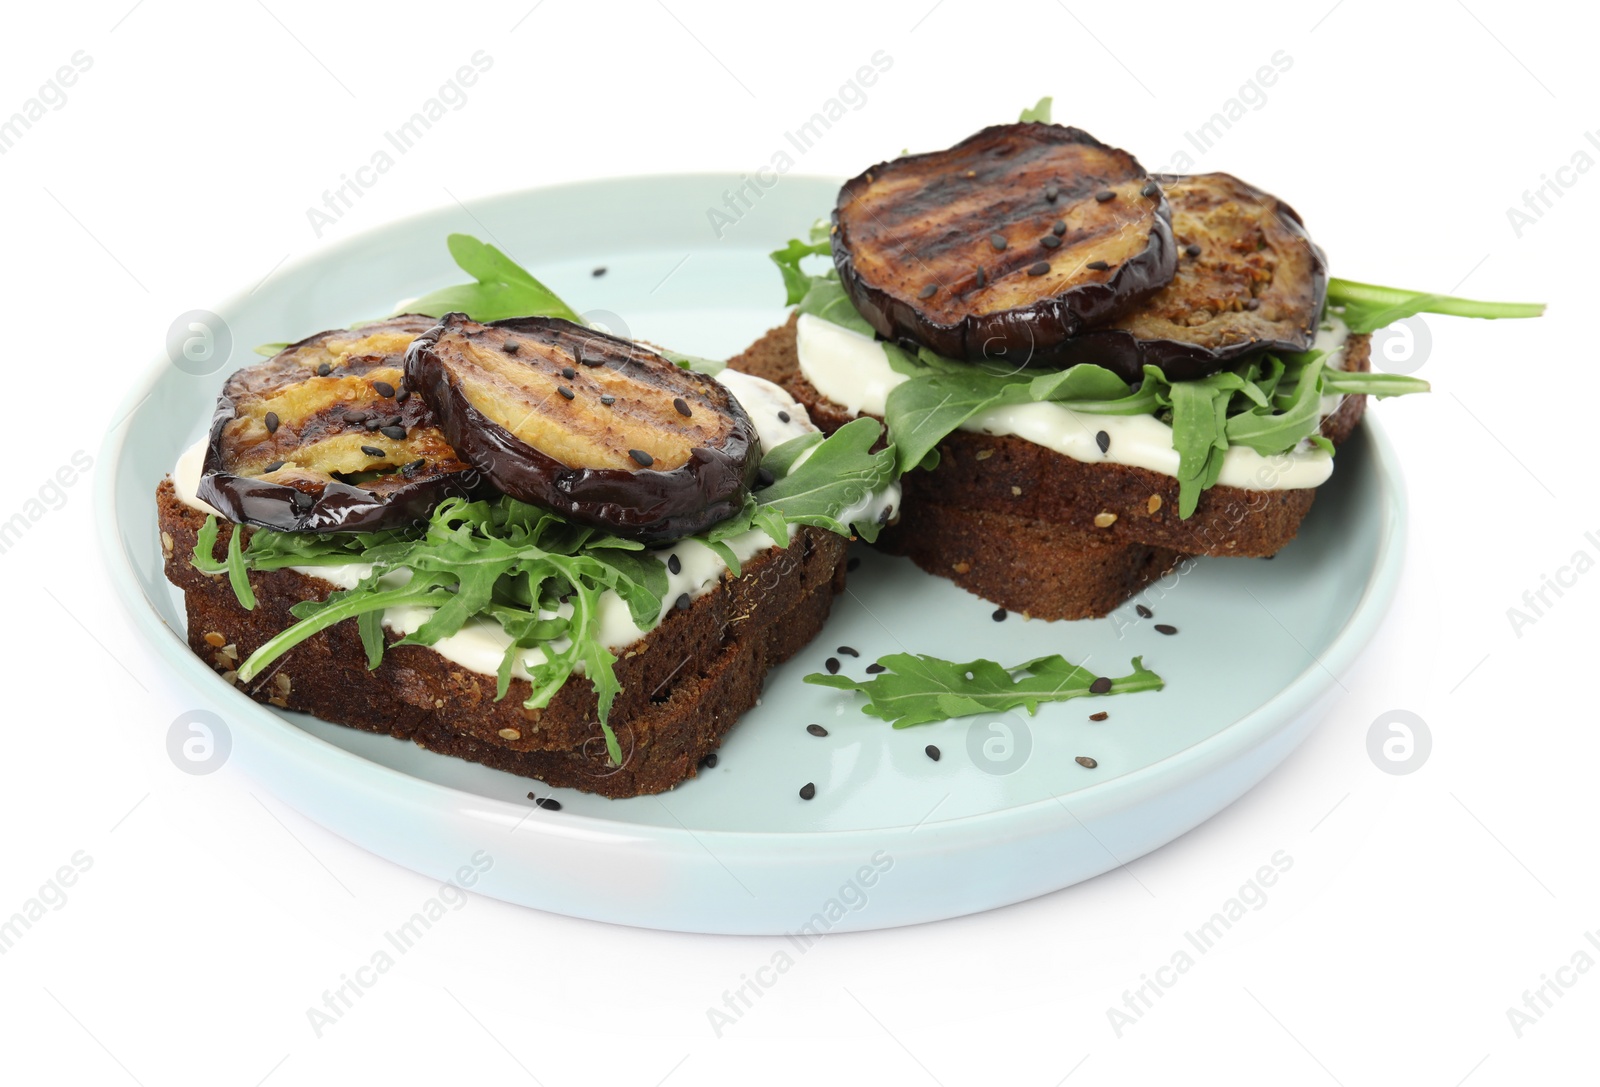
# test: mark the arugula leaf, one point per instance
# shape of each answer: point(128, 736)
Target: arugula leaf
point(503, 288)
point(204, 560)
point(839, 474)
point(796, 282)
point(919, 689)
point(1040, 112)
point(820, 295)
point(696, 363)
point(1367, 308)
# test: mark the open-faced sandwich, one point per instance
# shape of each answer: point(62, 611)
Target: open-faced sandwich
point(1088, 372)
point(520, 540)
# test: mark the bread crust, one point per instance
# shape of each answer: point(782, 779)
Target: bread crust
point(1049, 536)
point(1002, 474)
point(684, 683)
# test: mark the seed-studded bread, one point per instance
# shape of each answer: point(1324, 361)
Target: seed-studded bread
point(1040, 532)
point(684, 683)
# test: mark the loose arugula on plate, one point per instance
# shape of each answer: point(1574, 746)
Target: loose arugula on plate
point(915, 689)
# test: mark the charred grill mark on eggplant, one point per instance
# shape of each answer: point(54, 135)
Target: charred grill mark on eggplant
point(970, 220)
point(1250, 279)
point(306, 441)
point(618, 453)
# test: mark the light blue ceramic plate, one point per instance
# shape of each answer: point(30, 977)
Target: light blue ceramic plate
point(892, 837)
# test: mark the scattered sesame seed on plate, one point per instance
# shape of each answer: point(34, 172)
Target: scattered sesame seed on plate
point(1086, 762)
point(816, 730)
point(709, 762)
point(848, 651)
point(832, 665)
point(1144, 612)
point(932, 752)
point(1166, 628)
point(1101, 716)
point(808, 790)
point(874, 669)
point(999, 615)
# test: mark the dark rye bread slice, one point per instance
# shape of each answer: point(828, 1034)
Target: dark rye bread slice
point(1111, 502)
point(684, 683)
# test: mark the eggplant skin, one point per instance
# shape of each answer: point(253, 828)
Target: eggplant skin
point(638, 467)
point(1258, 283)
point(330, 480)
point(914, 241)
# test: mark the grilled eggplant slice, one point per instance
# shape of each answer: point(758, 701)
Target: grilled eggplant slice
point(601, 430)
point(1004, 246)
point(322, 437)
point(1249, 278)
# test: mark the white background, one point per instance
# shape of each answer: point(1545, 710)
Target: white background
point(1419, 908)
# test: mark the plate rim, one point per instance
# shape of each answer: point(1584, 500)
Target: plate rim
point(1167, 774)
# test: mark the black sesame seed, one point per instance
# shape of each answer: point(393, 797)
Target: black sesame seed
point(850, 566)
point(1100, 686)
point(816, 730)
point(709, 762)
point(999, 615)
point(413, 466)
point(682, 603)
point(1192, 250)
point(1103, 440)
point(383, 388)
point(874, 669)
point(1150, 189)
point(566, 392)
point(998, 241)
point(979, 277)
point(355, 418)
point(598, 272)
point(674, 564)
point(272, 422)
point(1104, 196)
point(402, 396)
point(783, 417)
point(1050, 241)
point(1039, 268)
point(932, 752)
point(848, 651)
point(1166, 628)
point(373, 451)
point(273, 467)
point(641, 457)
point(398, 433)
point(548, 803)
point(808, 790)
point(1059, 228)
point(1051, 193)
point(1101, 716)
point(1144, 612)
point(682, 406)
point(372, 424)
point(590, 360)
point(512, 347)
point(832, 665)
point(568, 372)
point(928, 291)
point(1098, 265)
point(324, 370)
point(1086, 762)
point(608, 400)
point(764, 478)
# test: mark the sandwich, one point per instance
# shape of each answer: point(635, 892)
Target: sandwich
point(1090, 373)
point(489, 528)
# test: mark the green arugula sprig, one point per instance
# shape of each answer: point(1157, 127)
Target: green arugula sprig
point(919, 689)
point(1270, 403)
point(1367, 308)
point(539, 576)
point(502, 288)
